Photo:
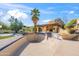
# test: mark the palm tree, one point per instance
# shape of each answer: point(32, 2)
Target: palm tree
point(35, 17)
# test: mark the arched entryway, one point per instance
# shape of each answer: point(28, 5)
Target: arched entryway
point(40, 29)
point(50, 30)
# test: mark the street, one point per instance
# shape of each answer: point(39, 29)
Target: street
point(4, 42)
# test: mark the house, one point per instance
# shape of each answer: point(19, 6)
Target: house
point(73, 26)
point(52, 26)
point(77, 26)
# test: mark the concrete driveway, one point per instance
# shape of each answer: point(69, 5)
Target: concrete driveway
point(45, 48)
point(52, 47)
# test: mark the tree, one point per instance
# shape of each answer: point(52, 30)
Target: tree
point(60, 21)
point(15, 25)
point(71, 23)
point(35, 17)
point(4, 26)
point(70, 26)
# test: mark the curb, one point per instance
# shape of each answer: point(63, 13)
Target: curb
point(9, 44)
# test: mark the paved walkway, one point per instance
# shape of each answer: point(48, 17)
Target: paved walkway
point(52, 47)
point(5, 42)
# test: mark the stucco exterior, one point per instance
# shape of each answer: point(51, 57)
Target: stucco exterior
point(50, 27)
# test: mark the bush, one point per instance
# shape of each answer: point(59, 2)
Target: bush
point(71, 31)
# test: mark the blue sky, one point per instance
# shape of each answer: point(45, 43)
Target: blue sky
point(48, 11)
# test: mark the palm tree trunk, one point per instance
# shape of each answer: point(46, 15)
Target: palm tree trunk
point(35, 30)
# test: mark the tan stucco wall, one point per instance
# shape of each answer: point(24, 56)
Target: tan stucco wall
point(48, 27)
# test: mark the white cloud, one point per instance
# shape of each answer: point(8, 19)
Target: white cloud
point(45, 21)
point(7, 7)
point(14, 6)
point(23, 7)
point(17, 14)
point(1, 13)
point(64, 11)
point(76, 7)
point(71, 12)
point(17, 10)
point(50, 8)
point(27, 9)
point(20, 11)
point(46, 12)
point(5, 19)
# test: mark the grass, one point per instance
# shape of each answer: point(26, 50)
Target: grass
point(5, 37)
